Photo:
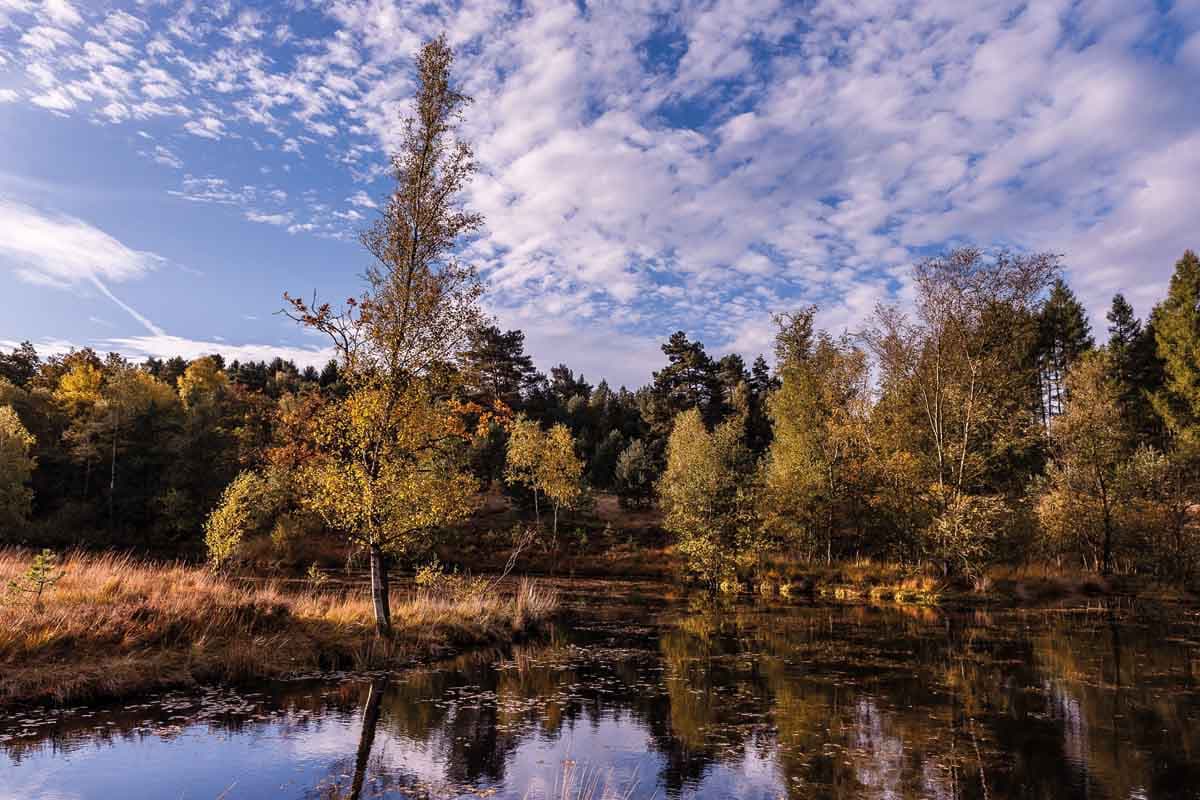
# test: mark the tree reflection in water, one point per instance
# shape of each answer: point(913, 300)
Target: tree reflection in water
point(768, 702)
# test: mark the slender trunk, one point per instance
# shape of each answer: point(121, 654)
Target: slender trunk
point(112, 474)
point(555, 529)
point(537, 512)
point(1107, 525)
point(379, 591)
point(366, 739)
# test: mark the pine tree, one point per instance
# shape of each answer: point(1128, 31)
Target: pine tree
point(1135, 367)
point(1176, 322)
point(758, 425)
point(634, 476)
point(20, 366)
point(690, 380)
point(496, 367)
point(1064, 335)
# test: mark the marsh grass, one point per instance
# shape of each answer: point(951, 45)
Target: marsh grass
point(114, 625)
point(578, 781)
point(857, 581)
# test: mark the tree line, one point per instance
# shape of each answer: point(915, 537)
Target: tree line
point(983, 424)
point(980, 423)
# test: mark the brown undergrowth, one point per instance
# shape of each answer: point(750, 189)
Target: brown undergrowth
point(114, 626)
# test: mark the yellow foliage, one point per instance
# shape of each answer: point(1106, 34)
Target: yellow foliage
point(16, 467)
point(545, 461)
point(229, 522)
point(80, 387)
point(388, 467)
point(705, 502)
point(202, 382)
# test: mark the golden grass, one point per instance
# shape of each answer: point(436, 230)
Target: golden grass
point(114, 625)
point(858, 581)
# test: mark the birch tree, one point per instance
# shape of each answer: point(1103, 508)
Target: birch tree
point(963, 367)
point(391, 466)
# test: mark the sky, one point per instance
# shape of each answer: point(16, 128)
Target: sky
point(169, 169)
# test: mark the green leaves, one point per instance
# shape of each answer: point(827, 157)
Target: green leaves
point(42, 574)
point(16, 469)
point(1176, 324)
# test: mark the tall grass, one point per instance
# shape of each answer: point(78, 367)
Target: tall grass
point(114, 625)
point(581, 782)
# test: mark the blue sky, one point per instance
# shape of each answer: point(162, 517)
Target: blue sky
point(168, 170)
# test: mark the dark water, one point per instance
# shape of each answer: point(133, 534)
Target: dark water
point(653, 699)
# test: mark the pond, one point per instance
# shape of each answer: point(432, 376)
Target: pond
point(643, 697)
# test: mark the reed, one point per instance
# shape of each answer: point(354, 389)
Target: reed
point(115, 625)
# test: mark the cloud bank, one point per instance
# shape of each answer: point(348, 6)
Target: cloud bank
point(659, 164)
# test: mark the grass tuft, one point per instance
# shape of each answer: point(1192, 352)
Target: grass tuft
point(115, 625)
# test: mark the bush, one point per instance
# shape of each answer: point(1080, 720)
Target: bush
point(235, 516)
point(962, 537)
point(634, 476)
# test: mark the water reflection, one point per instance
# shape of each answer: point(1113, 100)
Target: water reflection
point(750, 702)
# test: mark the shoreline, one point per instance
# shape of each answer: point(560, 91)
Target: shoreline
point(115, 627)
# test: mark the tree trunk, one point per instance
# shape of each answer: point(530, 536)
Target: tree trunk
point(112, 475)
point(366, 738)
point(379, 591)
point(1108, 525)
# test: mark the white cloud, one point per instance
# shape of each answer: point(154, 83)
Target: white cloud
point(8, 96)
point(166, 346)
point(121, 24)
point(167, 157)
point(64, 252)
point(654, 164)
point(54, 100)
point(64, 249)
point(47, 39)
point(206, 127)
point(269, 219)
point(61, 12)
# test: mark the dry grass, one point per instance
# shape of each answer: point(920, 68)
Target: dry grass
point(114, 626)
point(860, 580)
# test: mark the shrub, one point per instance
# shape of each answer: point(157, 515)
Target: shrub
point(234, 516)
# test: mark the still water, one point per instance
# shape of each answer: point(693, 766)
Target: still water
point(646, 698)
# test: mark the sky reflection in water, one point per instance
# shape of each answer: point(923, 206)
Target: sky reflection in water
point(654, 700)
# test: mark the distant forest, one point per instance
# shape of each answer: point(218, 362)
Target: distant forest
point(985, 424)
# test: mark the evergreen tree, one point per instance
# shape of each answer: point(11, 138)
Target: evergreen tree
point(330, 374)
point(496, 368)
point(19, 366)
point(564, 385)
point(1135, 367)
point(1176, 322)
point(634, 476)
point(732, 373)
point(1064, 334)
point(758, 425)
point(690, 380)
point(602, 466)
